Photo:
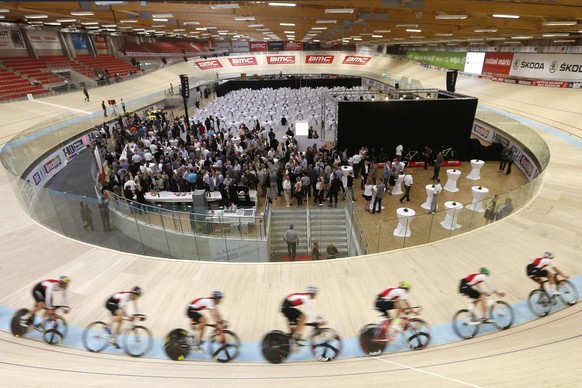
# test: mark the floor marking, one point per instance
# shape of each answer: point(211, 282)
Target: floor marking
point(62, 106)
point(427, 372)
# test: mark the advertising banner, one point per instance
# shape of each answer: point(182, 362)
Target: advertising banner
point(258, 46)
point(447, 60)
point(356, 60)
point(208, 64)
point(281, 59)
point(11, 39)
point(293, 45)
point(497, 63)
point(474, 63)
point(79, 41)
point(44, 40)
point(222, 46)
point(312, 46)
point(240, 46)
point(319, 59)
point(243, 61)
point(276, 46)
point(100, 42)
point(547, 66)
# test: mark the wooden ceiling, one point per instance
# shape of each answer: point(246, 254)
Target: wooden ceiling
point(372, 21)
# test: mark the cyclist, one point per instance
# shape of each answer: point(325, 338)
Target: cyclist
point(471, 286)
point(43, 297)
point(294, 315)
point(198, 321)
point(543, 267)
point(117, 305)
point(392, 299)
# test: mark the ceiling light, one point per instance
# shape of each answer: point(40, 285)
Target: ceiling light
point(358, 39)
point(319, 28)
point(451, 17)
point(262, 29)
point(66, 20)
point(556, 35)
point(201, 28)
point(377, 36)
point(287, 24)
point(397, 38)
point(4, 10)
point(155, 20)
point(37, 22)
point(133, 20)
point(256, 25)
point(179, 29)
point(162, 15)
point(412, 30)
point(82, 13)
point(288, 32)
point(339, 10)
point(89, 23)
point(326, 21)
point(561, 23)
point(266, 33)
point(310, 34)
point(485, 30)
point(191, 23)
point(382, 31)
point(138, 29)
point(158, 26)
point(224, 6)
point(110, 2)
point(565, 41)
point(222, 33)
point(92, 27)
point(47, 23)
point(407, 25)
point(500, 15)
point(39, 16)
point(244, 18)
point(282, 4)
point(443, 34)
point(512, 43)
point(522, 37)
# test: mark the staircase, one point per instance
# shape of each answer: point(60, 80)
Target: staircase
point(328, 226)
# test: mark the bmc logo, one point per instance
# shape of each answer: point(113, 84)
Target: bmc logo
point(208, 64)
point(281, 59)
point(243, 61)
point(355, 60)
point(319, 59)
point(293, 45)
point(258, 46)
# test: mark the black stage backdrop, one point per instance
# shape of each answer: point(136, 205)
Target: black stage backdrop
point(440, 123)
point(289, 82)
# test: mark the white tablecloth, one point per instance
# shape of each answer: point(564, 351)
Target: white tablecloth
point(429, 191)
point(479, 194)
point(398, 187)
point(452, 210)
point(452, 177)
point(476, 166)
point(405, 216)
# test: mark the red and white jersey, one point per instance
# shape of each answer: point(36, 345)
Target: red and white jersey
point(50, 286)
point(302, 299)
point(203, 304)
point(477, 279)
point(394, 294)
point(122, 299)
point(543, 262)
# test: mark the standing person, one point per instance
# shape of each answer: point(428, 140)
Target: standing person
point(320, 191)
point(334, 188)
point(299, 191)
point(380, 190)
point(123, 106)
point(292, 240)
point(315, 253)
point(504, 210)
point(438, 162)
point(510, 157)
point(408, 181)
point(332, 251)
point(287, 191)
point(471, 286)
point(350, 186)
point(273, 188)
point(86, 216)
point(365, 171)
point(86, 93)
point(368, 191)
point(171, 88)
point(435, 196)
point(104, 108)
point(356, 160)
point(104, 211)
point(503, 158)
point(399, 150)
point(374, 172)
point(491, 210)
point(426, 156)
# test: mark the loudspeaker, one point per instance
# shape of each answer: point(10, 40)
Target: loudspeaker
point(451, 80)
point(396, 85)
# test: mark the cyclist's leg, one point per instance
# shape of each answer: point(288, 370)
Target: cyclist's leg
point(201, 325)
point(195, 318)
point(117, 316)
point(483, 302)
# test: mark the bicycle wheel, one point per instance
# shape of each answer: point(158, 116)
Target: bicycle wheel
point(224, 348)
point(502, 314)
point(95, 337)
point(418, 340)
point(52, 336)
point(420, 325)
point(176, 344)
point(539, 303)
point(137, 340)
point(58, 323)
point(276, 347)
point(15, 327)
point(464, 325)
point(326, 344)
point(568, 293)
point(368, 345)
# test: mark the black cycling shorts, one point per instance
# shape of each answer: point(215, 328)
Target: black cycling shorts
point(384, 305)
point(535, 272)
point(112, 305)
point(193, 314)
point(465, 289)
point(291, 313)
point(38, 293)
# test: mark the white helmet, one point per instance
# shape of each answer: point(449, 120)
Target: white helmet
point(548, 255)
point(312, 289)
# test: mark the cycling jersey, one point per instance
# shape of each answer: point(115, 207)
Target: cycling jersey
point(202, 304)
point(542, 263)
point(475, 280)
point(394, 294)
point(121, 299)
point(43, 292)
point(298, 299)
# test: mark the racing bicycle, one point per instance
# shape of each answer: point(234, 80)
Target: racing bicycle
point(325, 344)
point(223, 345)
point(415, 332)
point(466, 322)
point(540, 301)
point(136, 339)
point(52, 328)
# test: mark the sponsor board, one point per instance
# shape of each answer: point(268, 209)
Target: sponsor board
point(44, 40)
point(100, 42)
point(447, 60)
point(293, 45)
point(240, 46)
point(79, 41)
point(11, 39)
point(356, 60)
point(243, 61)
point(276, 46)
point(497, 63)
point(561, 67)
point(258, 46)
point(531, 82)
point(483, 132)
point(319, 59)
point(208, 64)
point(280, 59)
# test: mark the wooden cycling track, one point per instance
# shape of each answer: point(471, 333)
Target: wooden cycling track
point(539, 353)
